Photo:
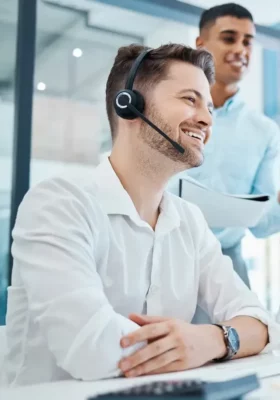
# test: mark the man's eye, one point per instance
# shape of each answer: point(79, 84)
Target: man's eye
point(229, 39)
point(191, 99)
point(247, 43)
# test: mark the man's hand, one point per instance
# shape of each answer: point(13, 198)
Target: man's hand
point(173, 345)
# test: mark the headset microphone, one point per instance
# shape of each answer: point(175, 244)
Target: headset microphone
point(130, 104)
point(174, 144)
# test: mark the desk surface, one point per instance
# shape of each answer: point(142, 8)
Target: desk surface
point(267, 366)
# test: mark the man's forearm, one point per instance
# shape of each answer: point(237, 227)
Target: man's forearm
point(270, 221)
point(253, 335)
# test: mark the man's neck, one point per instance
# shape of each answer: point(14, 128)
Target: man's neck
point(142, 182)
point(221, 92)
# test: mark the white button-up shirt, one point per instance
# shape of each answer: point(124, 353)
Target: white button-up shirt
point(84, 260)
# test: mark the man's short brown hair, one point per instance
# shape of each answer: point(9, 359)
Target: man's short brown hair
point(152, 70)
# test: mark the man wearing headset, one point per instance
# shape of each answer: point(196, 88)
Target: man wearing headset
point(108, 272)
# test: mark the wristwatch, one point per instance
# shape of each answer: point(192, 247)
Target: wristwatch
point(231, 341)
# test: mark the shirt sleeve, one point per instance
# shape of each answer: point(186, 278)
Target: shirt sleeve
point(222, 294)
point(267, 181)
point(54, 253)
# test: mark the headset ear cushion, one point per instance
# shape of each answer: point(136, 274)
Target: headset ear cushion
point(125, 96)
point(139, 101)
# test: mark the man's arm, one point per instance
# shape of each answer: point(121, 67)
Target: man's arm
point(177, 345)
point(253, 335)
point(267, 181)
point(54, 256)
point(227, 300)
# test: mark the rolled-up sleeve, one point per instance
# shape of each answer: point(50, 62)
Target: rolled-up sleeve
point(222, 294)
point(54, 252)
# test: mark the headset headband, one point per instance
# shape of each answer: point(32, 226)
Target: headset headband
point(134, 69)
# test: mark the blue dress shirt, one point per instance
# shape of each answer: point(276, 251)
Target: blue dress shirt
point(241, 157)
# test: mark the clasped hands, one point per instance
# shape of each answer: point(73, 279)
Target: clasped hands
point(172, 345)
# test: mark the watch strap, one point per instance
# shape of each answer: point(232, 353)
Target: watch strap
point(229, 353)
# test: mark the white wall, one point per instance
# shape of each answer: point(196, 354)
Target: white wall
point(252, 85)
point(40, 170)
point(172, 32)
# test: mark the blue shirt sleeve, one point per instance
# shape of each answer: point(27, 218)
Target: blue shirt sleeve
point(267, 181)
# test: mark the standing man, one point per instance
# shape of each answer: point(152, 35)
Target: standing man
point(242, 156)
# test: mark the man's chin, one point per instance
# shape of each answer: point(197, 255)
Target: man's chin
point(198, 158)
point(198, 163)
point(194, 161)
point(237, 76)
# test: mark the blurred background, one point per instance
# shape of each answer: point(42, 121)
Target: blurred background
point(76, 42)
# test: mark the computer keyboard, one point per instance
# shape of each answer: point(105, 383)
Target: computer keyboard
point(190, 389)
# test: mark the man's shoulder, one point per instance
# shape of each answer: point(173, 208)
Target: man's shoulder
point(61, 194)
point(261, 122)
point(261, 118)
point(58, 185)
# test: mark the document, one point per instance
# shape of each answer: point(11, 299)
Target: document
point(222, 210)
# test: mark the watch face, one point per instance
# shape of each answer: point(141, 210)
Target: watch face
point(233, 339)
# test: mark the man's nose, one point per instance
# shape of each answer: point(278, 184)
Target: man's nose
point(240, 48)
point(204, 117)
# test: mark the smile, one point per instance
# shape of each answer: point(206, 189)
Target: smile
point(195, 135)
point(238, 64)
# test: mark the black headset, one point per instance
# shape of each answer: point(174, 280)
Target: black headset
point(130, 104)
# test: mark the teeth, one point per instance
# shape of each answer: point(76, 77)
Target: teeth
point(195, 135)
point(237, 63)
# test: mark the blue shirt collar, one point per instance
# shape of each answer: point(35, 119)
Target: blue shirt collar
point(231, 103)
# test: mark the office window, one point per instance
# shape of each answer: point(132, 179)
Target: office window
point(8, 28)
point(74, 54)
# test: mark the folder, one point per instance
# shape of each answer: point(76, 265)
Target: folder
point(222, 210)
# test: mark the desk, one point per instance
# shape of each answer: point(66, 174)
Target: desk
point(267, 366)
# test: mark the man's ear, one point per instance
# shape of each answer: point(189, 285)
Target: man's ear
point(199, 42)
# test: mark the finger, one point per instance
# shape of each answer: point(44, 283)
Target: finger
point(147, 319)
point(174, 366)
point(138, 319)
point(152, 350)
point(155, 364)
point(145, 333)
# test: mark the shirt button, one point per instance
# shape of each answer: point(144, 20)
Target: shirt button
point(153, 290)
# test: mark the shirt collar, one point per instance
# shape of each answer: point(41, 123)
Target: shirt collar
point(231, 103)
point(112, 196)
point(114, 199)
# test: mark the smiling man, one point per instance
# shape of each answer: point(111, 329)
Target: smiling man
point(243, 155)
point(228, 32)
point(108, 270)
